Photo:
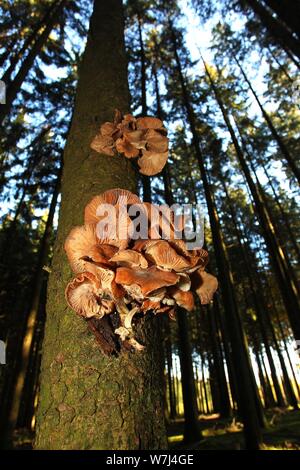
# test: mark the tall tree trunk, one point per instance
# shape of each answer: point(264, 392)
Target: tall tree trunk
point(288, 11)
point(146, 181)
point(275, 28)
point(284, 216)
point(245, 395)
point(192, 431)
point(282, 147)
point(32, 37)
point(258, 300)
point(281, 67)
point(14, 86)
point(267, 391)
point(88, 400)
point(285, 282)
point(168, 349)
point(225, 408)
point(14, 401)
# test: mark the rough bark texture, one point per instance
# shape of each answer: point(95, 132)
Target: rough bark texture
point(87, 400)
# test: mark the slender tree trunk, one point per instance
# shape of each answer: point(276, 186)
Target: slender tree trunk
point(227, 351)
point(14, 86)
point(88, 400)
point(289, 391)
point(285, 283)
point(275, 195)
point(246, 398)
point(281, 67)
point(192, 431)
point(281, 145)
point(225, 408)
point(275, 28)
point(289, 13)
point(32, 37)
point(267, 391)
point(168, 349)
point(259, 304)
point(15, 403)
point(146, 181)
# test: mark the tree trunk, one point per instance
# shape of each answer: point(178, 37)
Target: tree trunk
point(88, 400)
point(14, 86)
point(192, 431)
point(14, 407)
point(281, 67)
point(146, 180)
point(275, 28)
point(225, 408)
point(32, 37)
point(245, 395)
point(258, 300)
point(276, 136)
point(285, 282)
point(289, 13)
point(267, 391)
point(168, 349)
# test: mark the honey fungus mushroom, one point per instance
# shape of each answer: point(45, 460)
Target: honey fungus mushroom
point(87, 298)
point(205, 285)
point(144, 138)
point(130, 278)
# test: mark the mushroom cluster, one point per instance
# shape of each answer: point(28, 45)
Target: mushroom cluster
point(144, 138)
point(117, 274)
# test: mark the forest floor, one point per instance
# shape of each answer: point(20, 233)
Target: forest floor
point(283, 432)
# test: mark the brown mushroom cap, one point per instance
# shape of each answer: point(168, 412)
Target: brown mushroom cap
point(130, 259)
point(183, 299)
point(205, 285)
point(148, 280)
point(149, 123)
point(84, 296)
point(81, 242)
point(143, 137)
point(123, 145)
point(114, 197)
point(156, 141)
point(152, 162)
point(165, 257)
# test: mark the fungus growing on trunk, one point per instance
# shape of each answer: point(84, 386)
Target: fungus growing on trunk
point(143, 138)
point(119, 279)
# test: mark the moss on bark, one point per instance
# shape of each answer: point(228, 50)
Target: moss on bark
point(87, 400)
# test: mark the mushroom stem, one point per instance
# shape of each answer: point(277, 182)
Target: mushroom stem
point(128, 318)
point(135, 344)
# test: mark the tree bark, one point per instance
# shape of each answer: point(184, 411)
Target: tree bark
point(289, 13)
point(88, 400)
point(276, 29)
point(225, 408)
point(192, 431)
point(146, 180)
